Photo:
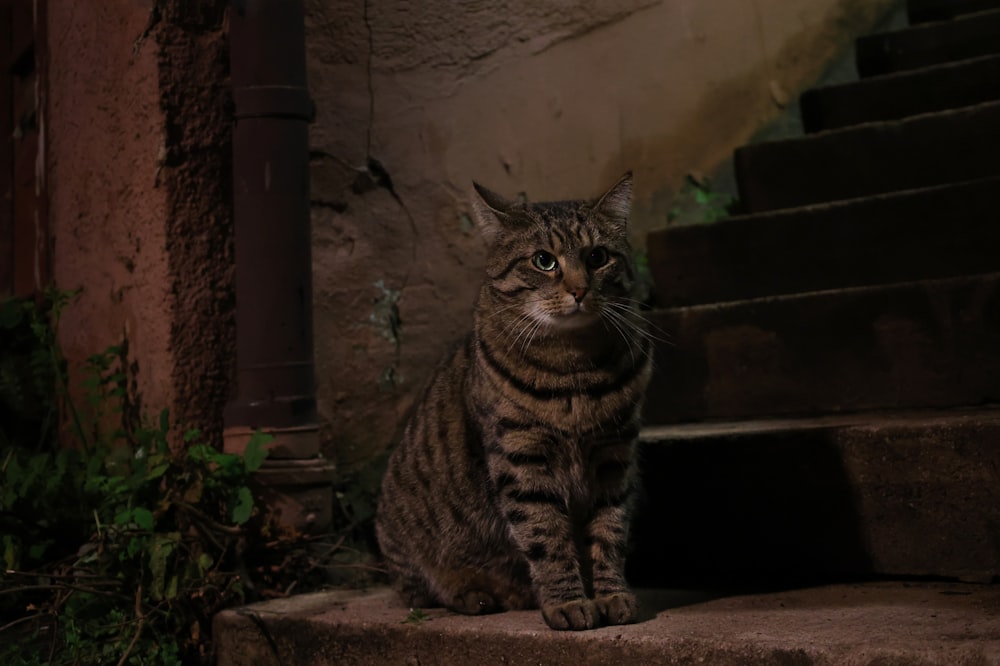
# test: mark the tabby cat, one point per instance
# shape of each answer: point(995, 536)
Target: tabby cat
point(513, 484)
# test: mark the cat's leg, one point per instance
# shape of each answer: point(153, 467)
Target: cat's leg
point(537, 513)
point(607, 533)
point(547, 543)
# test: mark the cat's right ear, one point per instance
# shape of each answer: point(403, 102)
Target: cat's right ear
point(491, 212)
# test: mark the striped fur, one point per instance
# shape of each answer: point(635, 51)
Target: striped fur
point(513, 484)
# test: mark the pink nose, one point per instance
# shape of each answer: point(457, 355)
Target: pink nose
point(578, 293)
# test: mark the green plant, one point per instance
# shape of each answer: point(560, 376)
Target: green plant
point(121, 541)
point(159, 537)
point(31, 368)
point(698, 203)
point(416, 616)
point(117, 548)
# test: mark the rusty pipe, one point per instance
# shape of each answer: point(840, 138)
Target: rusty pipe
point(275, 381)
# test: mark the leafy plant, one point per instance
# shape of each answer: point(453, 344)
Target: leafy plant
point(120, 542)
point(159, 542)
point(30, 369)
point(118, 548)
point(698, 203)
point(416, 616)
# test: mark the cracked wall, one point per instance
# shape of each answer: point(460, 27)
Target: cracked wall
point(549, 99)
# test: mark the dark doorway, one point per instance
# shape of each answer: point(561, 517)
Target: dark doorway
point(24, 252)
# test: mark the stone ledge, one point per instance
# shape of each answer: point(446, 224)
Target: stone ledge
point(883, 623)
point(967, 36)
point(874, 158)
point(882, 239)
point(837, 497)
point(923, 344)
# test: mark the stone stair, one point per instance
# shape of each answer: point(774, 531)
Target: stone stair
point(832, 372)
point(823, 444)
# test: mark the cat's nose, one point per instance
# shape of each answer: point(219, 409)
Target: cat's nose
point(578, 293)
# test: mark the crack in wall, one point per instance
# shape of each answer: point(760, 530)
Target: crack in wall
point(585, 30)
point(371, 86)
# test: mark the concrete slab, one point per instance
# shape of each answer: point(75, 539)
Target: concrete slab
point(900, 95)
point(937, 232)
point(874, 158)
point(968, 36)
point(878, 623)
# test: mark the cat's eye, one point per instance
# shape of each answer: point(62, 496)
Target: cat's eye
point(597, 257)
point(544, 261)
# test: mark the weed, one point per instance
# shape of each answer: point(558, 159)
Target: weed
point(416, 616)
point(116, 547)
point(698, 203)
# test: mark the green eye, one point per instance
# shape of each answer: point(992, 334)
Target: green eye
point(544, 261)
point(597, 257)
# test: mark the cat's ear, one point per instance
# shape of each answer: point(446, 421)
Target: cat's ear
point(616, 203)
point(491, 212)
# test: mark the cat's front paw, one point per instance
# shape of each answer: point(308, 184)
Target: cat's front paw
point(572, 615)
point(618, 608)
point(474, 602)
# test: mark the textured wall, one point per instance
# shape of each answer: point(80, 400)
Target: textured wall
point(108, 209)
point(140, 210)
point(552, 99)
point(414, 100)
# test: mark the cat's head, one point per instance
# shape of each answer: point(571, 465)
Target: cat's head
point(561, 265)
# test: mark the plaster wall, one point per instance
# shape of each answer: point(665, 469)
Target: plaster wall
point(138, 152)
point(108, 209)
point(548, 99)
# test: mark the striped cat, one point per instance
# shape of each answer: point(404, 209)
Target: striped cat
point(513, 484)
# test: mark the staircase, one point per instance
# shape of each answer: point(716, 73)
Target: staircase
point(824, 423)
point(829, 402)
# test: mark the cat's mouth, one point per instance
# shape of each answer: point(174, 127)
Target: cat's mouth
point(576, 315)
point(565, 315)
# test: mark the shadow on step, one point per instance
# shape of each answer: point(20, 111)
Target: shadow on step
point(738, 513)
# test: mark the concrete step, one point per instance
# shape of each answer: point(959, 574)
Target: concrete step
point(937, 232)
point(930, 624)
point(967, 36)
point(907, 494)
point(933, 343)
point(924, 11)
point(903, 94)
point(921, 151)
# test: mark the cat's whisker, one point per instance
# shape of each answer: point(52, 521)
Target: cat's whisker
point(524, 335)
point(521, 325)
point(608, 316)
point(513, 306)
point(537, 324)
point(623, 324)
point(523, 328)
point(648, 328)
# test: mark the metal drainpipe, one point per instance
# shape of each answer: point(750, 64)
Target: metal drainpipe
point(275, 382)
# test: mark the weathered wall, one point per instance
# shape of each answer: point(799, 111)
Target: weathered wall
point(137, 133)
point(105, 139)
point(414, 100)
point(551, 99)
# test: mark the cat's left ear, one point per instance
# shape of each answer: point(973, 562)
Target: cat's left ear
point(492, 212)
point(616, 203)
